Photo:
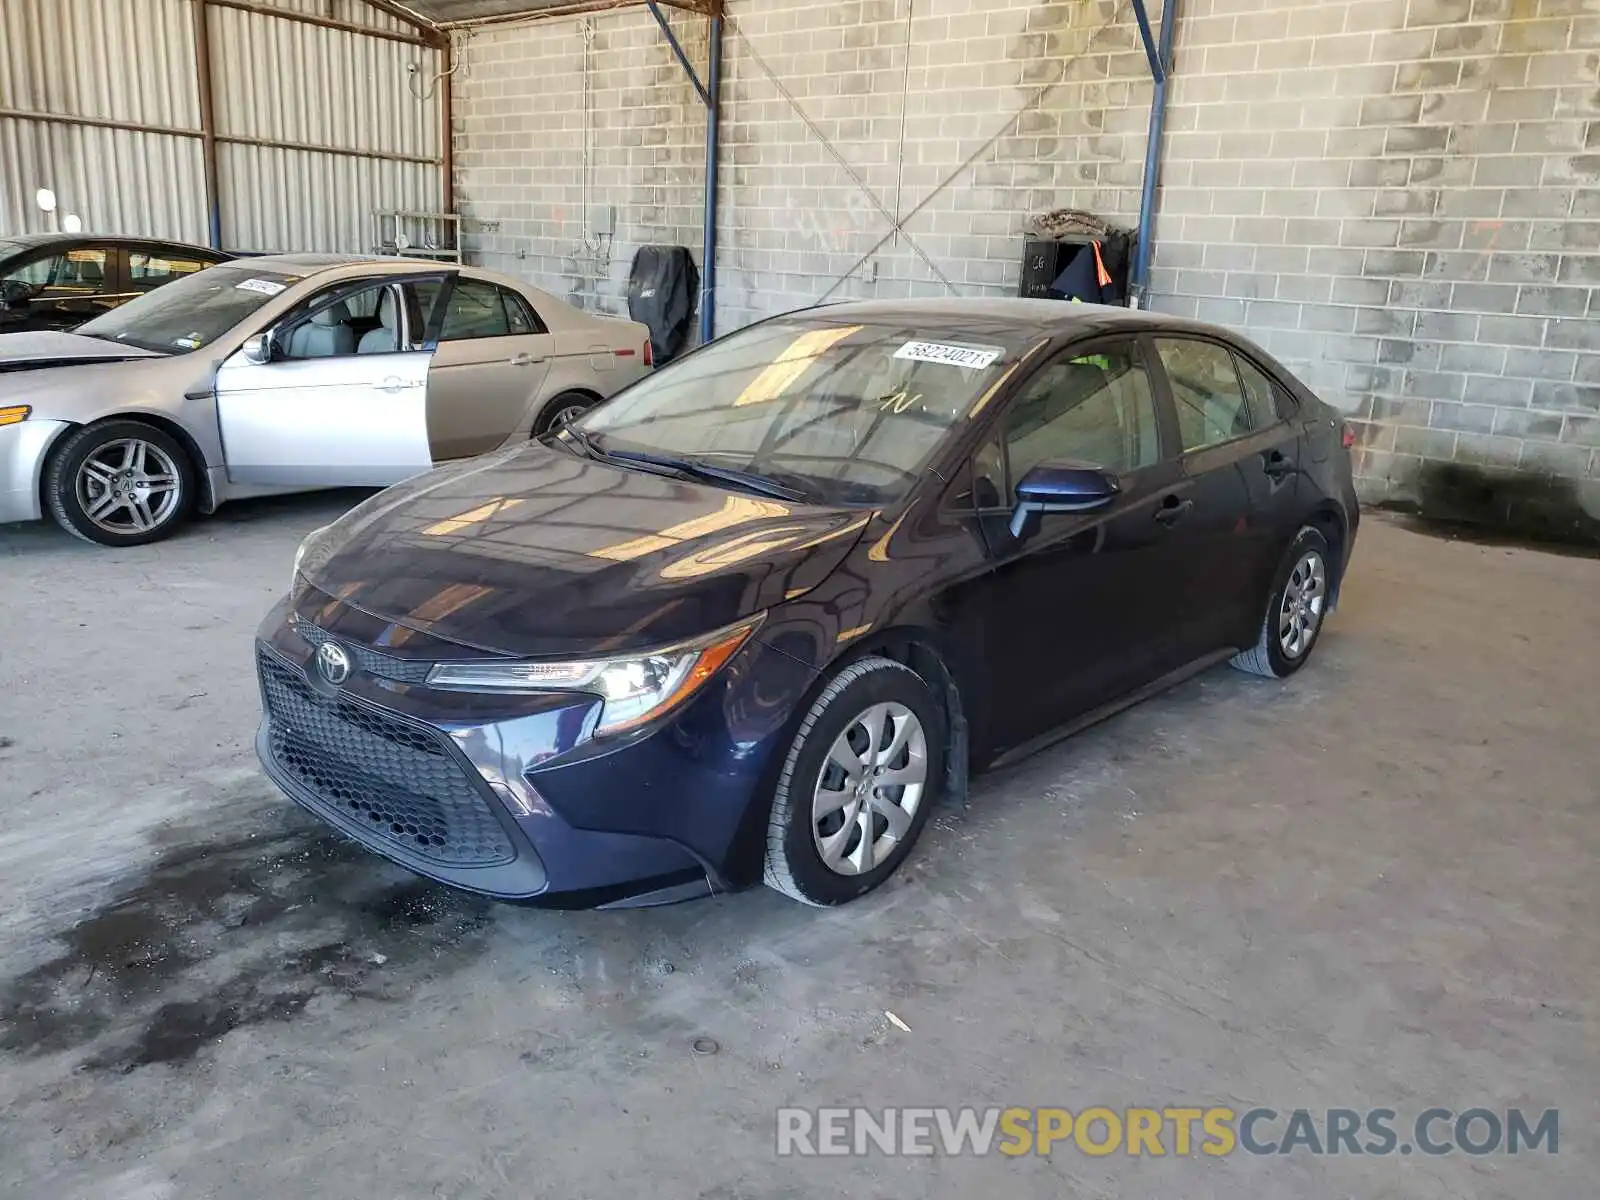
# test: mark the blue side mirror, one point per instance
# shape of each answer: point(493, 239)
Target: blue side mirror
point(1061, 488)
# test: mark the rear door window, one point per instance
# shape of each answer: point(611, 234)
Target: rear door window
point(475, 311)
point(1206, 391)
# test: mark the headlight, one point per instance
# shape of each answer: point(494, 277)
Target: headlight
point(306, 543)
point(636, 688)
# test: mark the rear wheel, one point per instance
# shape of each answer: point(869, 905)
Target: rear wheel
point(861, 775)
point(562, 411)
point(1295, 610)
point(120, 483)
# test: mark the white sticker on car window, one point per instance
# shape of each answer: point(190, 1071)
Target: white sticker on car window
point(973, 357)
point(187, 343)
point(267, 287)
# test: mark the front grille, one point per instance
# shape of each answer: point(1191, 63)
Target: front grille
point(397, 781)
point(386, 666)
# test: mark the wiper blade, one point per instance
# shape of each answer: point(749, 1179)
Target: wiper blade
point(692, 469)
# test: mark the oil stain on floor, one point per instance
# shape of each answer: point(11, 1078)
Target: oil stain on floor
point(222, 935)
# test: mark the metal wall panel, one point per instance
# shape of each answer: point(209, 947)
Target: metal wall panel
point(122, 60)
point(113, 180)
point(300, 200)
point(274, 80)
point(291, 82)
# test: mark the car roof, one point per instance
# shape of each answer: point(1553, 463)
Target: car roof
point(1046, 317)
point(34, 240)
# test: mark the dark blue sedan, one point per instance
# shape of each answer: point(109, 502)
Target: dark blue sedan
point(752, 617)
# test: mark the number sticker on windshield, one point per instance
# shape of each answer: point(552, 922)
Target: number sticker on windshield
point(973, 357)
point(266, 287)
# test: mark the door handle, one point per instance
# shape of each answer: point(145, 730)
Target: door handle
point(1173, 510)
point(1277, 465)
point(393, 384)
point(524, 360)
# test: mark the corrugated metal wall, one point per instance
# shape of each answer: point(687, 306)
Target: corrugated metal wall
point(127, 61)
point(316, 127)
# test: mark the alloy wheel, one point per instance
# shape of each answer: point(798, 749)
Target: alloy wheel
point(1304, 598)
point(129, 486)
point(870, 788)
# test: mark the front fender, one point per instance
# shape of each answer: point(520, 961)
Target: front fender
point(24, 449)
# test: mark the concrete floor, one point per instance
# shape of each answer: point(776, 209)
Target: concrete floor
point(1374, 885)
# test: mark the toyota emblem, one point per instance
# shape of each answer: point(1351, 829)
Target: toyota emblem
point(333, 663)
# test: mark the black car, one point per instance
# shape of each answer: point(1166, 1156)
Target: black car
point(751, 617)
point(59, 281)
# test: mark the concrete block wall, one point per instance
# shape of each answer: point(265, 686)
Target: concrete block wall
point(1400, 198)
point(959, 117)
point(553, 120)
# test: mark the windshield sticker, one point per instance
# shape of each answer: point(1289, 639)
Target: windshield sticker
point(187, 343)
point(267, 287)
point(972, 357)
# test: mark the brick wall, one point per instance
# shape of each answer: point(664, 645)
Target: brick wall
point(1400, 198)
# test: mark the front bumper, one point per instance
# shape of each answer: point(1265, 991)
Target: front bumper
point(23, 450)
point(502, 795)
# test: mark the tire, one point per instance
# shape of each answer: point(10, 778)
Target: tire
point(795, 862)
point(563, 408)
point(1277, 654)
point(81, 473)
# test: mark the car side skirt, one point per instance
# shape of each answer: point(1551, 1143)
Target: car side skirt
point(1111, 709)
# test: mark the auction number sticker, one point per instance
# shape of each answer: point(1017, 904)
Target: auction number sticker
point(973, 357)
point(266, 287)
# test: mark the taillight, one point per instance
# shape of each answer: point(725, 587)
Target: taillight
point(649, 353)
point(1347, 435)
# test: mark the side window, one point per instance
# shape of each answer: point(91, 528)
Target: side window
point(1268, 403)
point(74, 273)
point(1205, 389)
point(151, 269)
point(475, 311)
point(349, 325)
point(1097, 408)
point(519, 316)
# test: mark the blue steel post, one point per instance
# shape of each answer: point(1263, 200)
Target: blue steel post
point(1161, 71)
point(711, 94)
point(708, 271)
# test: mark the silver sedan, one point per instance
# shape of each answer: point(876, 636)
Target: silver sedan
point(288, 373)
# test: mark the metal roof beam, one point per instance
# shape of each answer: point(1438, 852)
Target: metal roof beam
point(288, 14)
point(405, 16)
point(578, 8)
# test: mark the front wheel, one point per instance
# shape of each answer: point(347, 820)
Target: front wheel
point(861, 775)
point(1295, 610)
point(120, 483)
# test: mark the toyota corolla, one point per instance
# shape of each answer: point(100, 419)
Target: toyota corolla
point(751, 618)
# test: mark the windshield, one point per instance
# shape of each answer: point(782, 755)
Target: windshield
point(192, 312)
point(849, 411)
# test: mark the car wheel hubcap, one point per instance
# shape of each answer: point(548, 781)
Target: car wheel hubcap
point(128, 486)
point(1304, 598)
point(870, 788)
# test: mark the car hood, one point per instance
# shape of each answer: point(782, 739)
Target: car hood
point(43, 349)
point(535, 552)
